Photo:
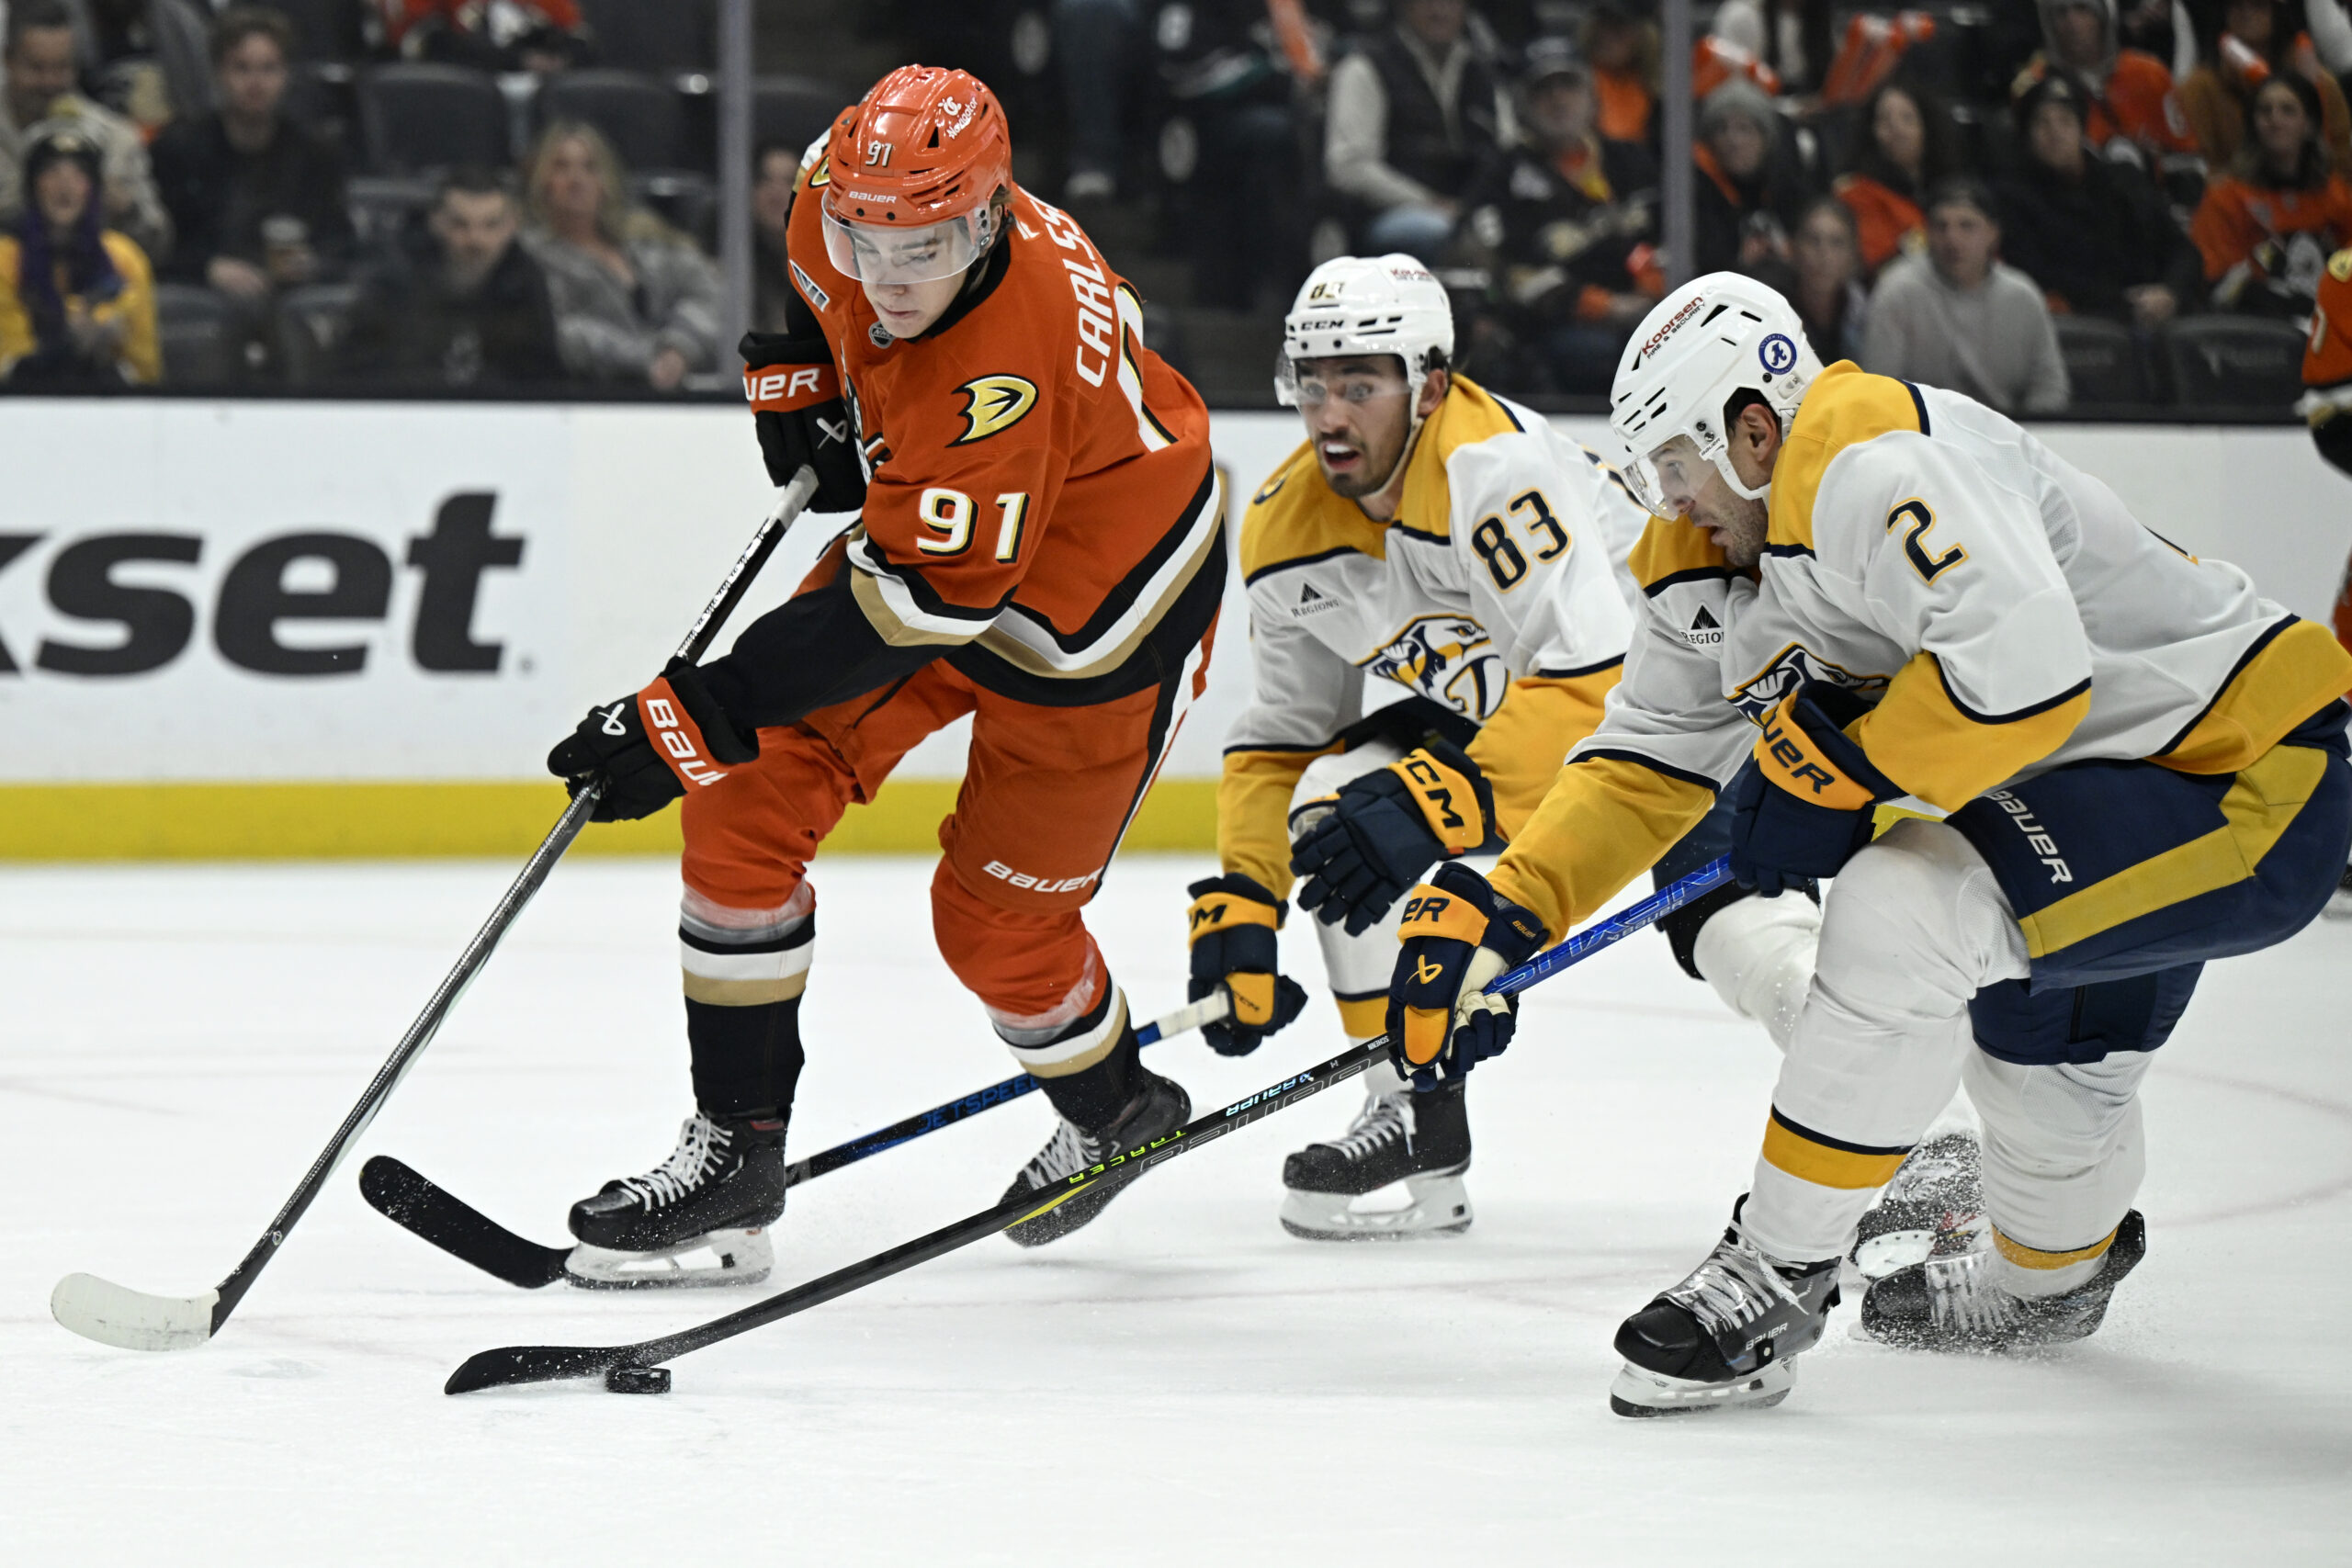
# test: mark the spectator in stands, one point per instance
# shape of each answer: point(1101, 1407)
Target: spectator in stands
point(1903, 149)
point(634, 300)
point(77, 306)
point(144, 59)
point(538, 35)
point(1416, 118)
point(468, 307)
point(2096, 236)
point(38, 57)
point(774, 168)
point(1825, 282)
point(2257, 44)
point(1742, 200)
point(1958, 318)
point(2266, 229)
point(1790, 36)
point(1093, 41)
point(1570, 223)
point(1623, 49)
point(1236, 72)
point(2133, 110)
point(256, 201)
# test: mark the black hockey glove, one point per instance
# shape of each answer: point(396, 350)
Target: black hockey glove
point(650, 748)
point(1459, 936)
point(1233, 922)
point(796, 403)
point(1387, 827)
point(1807, 800)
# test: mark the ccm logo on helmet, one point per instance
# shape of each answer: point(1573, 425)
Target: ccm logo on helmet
point(1667, 331)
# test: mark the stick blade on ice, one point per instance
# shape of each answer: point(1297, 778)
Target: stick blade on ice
point(533, 1363)
point(133, 1320)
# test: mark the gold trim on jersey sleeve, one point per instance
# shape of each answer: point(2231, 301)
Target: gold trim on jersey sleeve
point(1468, 415)
point(1609, 817)
point(1921, 737)
point(1670, 547)
point(2286, 677)
point(1845, 407)
point(1541, 719)
point(1253, 814)
point(1294, 517)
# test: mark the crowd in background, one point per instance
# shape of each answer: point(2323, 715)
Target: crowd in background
point(1985, 196)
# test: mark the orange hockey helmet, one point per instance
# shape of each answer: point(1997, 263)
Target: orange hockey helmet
point(913, 173)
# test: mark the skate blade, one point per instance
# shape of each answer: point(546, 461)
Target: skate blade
point(1643, 1393)
point(716, 1257)
point(1882, 1255)
point(1436, 1205)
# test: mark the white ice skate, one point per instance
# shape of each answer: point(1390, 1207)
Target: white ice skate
point(715, 1257)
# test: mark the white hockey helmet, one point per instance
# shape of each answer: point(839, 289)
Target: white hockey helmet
point(1367, 305)
point(1700, 347)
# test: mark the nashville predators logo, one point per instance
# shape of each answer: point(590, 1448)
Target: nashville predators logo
point(993, 404)
point(1449, 659)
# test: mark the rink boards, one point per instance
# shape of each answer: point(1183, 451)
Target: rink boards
point(262, 629)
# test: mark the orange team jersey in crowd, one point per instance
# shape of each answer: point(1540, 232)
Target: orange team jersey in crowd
point(1623, 103)
point(2136, 102)
point(2327, 364)
point(1885, 223)
point(1041, 484)
point(2236, 219)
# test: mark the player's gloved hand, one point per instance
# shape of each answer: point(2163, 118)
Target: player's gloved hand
point(1806, 800)
point(1459, 936)
point(1385, 829)
point(1233, 922)
point(648, 748)
point(796, 404)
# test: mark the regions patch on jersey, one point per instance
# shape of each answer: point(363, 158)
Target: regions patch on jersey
point(1704, 630)
point(993, 404)
point(1312, 601)
point(1792, 668)
point(1449, 659)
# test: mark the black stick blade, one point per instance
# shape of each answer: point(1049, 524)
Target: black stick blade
point(415, 1204)
point(533, 1363)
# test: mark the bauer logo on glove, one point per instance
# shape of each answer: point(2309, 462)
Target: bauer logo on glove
point(1459, 935)
point(1805, 801)
point(646, 751)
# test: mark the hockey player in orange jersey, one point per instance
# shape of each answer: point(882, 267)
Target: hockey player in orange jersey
point(2327, 403)
point(1040, 546)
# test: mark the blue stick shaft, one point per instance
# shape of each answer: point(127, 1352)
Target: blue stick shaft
point(1592, 939)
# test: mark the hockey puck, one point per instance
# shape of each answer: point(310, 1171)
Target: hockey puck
point(626, 1379)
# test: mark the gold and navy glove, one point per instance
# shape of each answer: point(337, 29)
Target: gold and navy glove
point(650, 748)
point(1233, 923)
point(1807, 800)
point(1384, 830)
point(1459, 936)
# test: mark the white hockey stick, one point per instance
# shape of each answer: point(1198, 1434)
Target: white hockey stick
point(116, 1314)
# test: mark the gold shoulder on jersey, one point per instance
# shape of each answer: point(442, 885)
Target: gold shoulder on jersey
point(1843, 407)
point(1669, 548)
point(1294, 516)
point(1468, 416)
point(993, 404)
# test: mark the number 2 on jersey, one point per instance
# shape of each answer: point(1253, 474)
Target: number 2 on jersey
point(1922, 519)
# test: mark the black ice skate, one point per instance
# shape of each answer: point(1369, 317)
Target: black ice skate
point(1160, 1107)
point(1727, 1337)
point(1937, 1191)
point(1949, 1302)
point(698, 1218)
point(1421, 1140)
point(2339, 903)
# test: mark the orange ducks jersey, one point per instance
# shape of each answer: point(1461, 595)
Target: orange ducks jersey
point(1042, 505)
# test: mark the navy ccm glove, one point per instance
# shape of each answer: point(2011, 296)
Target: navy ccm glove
point(1807, 800)
point(650, 748)
point(1459, 935)
point(1385, 829)
point(1232, 925)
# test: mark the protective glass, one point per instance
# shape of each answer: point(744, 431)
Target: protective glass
point(882, 253)
point(1294, 388)
point(1678, 468)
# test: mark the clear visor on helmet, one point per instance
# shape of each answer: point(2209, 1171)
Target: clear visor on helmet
point(1667, 478)
point(1315, 382)
point(885, 253)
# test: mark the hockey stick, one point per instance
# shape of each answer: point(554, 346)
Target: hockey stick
point(115, 1314)
point(413, 1202)
point(543, 1363)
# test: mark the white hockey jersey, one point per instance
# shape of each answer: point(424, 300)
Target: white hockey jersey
point(1499, 594)
point(2001, 609)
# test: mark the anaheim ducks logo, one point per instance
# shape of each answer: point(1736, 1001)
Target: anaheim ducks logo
point(824, 173)
point(994, 403)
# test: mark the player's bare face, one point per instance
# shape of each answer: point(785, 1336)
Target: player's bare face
point(1358, 420)
point(1693, 489)
point(907, 309)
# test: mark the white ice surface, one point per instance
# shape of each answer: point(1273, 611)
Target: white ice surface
point(1180, 1383)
